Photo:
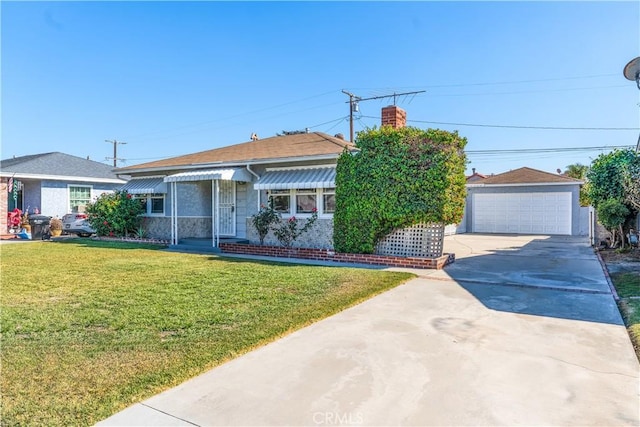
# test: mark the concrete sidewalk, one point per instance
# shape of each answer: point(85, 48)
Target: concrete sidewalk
point(435, 351)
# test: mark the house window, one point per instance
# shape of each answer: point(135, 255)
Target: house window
point(156, 205)
point(281, 200)
point(328, 200)
point(152, 204)
point(79, 197)
point(306, 201)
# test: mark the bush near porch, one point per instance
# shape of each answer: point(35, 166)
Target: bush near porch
point(106, 325)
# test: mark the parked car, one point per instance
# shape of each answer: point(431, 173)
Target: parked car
point(77, 223)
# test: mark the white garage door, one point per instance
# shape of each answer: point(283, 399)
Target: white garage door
point(522, 213)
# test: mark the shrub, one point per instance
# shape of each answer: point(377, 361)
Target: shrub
point(398, 178)
point(115, 214)
point(287, 231)
point(263, 220)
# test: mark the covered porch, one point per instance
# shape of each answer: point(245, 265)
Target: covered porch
point(211, 195)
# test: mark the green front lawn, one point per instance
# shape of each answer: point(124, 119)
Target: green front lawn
point(89, 328)
point(627, 286)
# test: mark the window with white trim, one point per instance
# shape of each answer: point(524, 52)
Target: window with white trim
point(306, 201)
point(303, 201)
point(153, 204)
point(281, 200)
point(79, 197)
point(328, 200)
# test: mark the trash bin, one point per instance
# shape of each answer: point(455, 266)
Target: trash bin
point(39, 225)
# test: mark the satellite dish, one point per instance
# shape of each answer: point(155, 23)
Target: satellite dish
point(632, 71)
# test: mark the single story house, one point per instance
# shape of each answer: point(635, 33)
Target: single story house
point(53, 183)
point(526, 201)
point(213, 194)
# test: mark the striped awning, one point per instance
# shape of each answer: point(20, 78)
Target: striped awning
point(145, 186)
point(297, 178)
point(235, 174)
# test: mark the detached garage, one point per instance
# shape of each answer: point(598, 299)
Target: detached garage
point(524, 201)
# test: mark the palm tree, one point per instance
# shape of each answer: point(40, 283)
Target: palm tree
point(576, 170)
point(579, 171)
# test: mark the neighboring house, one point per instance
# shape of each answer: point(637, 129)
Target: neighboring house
point(53, 183)
point(526, 201)
point(475, 176)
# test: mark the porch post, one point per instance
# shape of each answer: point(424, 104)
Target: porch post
point(174, 213)
point(213, 213)
point(217, 213)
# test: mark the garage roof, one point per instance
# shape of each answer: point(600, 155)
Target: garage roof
point(529, 176)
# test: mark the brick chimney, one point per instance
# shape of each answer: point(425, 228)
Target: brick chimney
point(394, 116)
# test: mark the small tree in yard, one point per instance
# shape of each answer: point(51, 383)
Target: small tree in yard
point(612, 214)
point(115, 214)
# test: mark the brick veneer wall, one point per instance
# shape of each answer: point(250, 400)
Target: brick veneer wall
point(330, 255)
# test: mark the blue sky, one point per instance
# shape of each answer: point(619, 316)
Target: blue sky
point(175, 78)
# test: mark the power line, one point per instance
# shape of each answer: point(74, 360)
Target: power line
point(330, 121)
point(527, 91)
point(516, 126)
point(208, 122)
point(354, 99)
point(494, 83)
point(545, 150)
point(336, 124)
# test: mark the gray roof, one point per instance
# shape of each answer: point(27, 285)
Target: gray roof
point(57, 164)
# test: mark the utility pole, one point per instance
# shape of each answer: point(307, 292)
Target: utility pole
point(115, 151)
point(353, 103)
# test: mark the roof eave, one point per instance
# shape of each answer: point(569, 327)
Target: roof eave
point(61, 177)
point(524, 184)
point(125, 171)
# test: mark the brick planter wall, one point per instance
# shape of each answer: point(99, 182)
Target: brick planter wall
point(330, 255)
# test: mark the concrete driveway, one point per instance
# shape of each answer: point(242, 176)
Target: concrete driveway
point(519, 331)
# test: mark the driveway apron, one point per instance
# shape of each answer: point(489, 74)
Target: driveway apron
point(519, 331)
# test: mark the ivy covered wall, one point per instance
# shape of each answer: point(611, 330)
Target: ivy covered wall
point(399, 177)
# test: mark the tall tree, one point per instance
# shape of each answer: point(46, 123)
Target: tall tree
point(399, 177)
point(606, 176)
point(576, 170)
point(631, 183)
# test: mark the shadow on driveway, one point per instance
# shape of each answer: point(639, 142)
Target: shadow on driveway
point(546, 276)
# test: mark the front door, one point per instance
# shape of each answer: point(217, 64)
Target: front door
point(227, 208)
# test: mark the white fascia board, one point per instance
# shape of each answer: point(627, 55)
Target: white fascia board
point(62, 178)
point(293, 168)
point(223, 165)
point(531, 184)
